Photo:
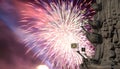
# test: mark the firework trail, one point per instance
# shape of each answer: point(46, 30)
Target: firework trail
point(53, 30)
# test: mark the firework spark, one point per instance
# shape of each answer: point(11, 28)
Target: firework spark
point(54, 31)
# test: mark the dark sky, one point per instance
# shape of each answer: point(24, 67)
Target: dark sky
point(12, 52)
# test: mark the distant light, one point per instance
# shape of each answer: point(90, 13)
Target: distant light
point(42, 67)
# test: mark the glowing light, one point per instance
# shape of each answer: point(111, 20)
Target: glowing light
point(42, 67)
point(51, 31)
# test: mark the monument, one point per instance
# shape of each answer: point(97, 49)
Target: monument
point(108, 51)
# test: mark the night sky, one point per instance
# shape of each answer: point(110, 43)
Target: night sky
point(12, 52)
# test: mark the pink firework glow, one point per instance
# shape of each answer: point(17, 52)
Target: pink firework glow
point(54, 31)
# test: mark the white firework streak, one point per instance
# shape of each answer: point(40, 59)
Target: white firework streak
point(51, 29)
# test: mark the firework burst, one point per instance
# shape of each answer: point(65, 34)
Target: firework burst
point(54, 31)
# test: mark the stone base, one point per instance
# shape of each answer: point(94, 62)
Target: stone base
point(103, 67)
